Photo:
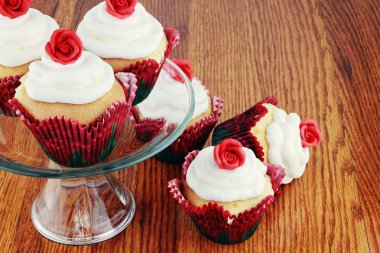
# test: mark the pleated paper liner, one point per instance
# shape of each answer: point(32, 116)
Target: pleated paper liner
point(146, 129)
point(218, 224)
point(239, 127)
point(147, 71)
point(72, 144)
point(8, 87)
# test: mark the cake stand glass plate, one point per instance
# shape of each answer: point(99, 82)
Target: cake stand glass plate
point(86, 205)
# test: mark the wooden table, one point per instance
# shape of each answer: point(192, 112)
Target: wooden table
point(321, 58)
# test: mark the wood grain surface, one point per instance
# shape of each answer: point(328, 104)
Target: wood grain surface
point(321, 58)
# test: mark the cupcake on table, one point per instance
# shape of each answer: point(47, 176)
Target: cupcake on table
point(168, 104)
point(130, 39)
point(23, 34)
point(72, 102)
point(226, 190)
point(275, 136)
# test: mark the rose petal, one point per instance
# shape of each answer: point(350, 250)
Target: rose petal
point(64, 47)
point(15, 8)
point(229, 154)
point(310, 134)
point(121, 8)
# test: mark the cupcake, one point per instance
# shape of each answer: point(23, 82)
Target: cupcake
point(130, 39)
point(226, 190)
point(168, 104)
point(275, 136)
point(23, 35)
point(72, 102)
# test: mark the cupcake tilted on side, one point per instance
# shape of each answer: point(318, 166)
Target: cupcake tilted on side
point(275, 136)
point(225, 189)
point(130, 39)
point(23, 34)
point(168, 104)
point(72, 102)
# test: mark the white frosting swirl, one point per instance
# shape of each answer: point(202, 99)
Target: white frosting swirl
point(211, 183)
point(82, 82)
point(285, 147)
point(23, 39)
point(134, 37)
point(169, 100)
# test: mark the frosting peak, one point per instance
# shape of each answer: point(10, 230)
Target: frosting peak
point(211, 183)
point(82, 82)
point(22, 39)
point(134, 37)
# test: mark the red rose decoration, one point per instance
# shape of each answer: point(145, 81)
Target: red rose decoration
point(184, 65)
point(121, 8)
point(64, 47)
point(310, 134)
point(14, 8)
point(229, 154)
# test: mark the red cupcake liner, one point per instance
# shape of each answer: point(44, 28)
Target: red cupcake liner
point(218, 224)
point(146, 129)
point(147, 71)
point(69, 143)
point(8, 87)
point(239, 127)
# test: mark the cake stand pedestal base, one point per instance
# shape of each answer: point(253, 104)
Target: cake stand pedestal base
point(83, 211)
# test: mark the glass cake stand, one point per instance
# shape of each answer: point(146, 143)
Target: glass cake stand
point(87, 205)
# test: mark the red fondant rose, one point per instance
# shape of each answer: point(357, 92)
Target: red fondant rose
point(14, 8)
point(121, 8)
point(64, 47)
point(184, 65)
point(229, 154)
point(310, 134)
